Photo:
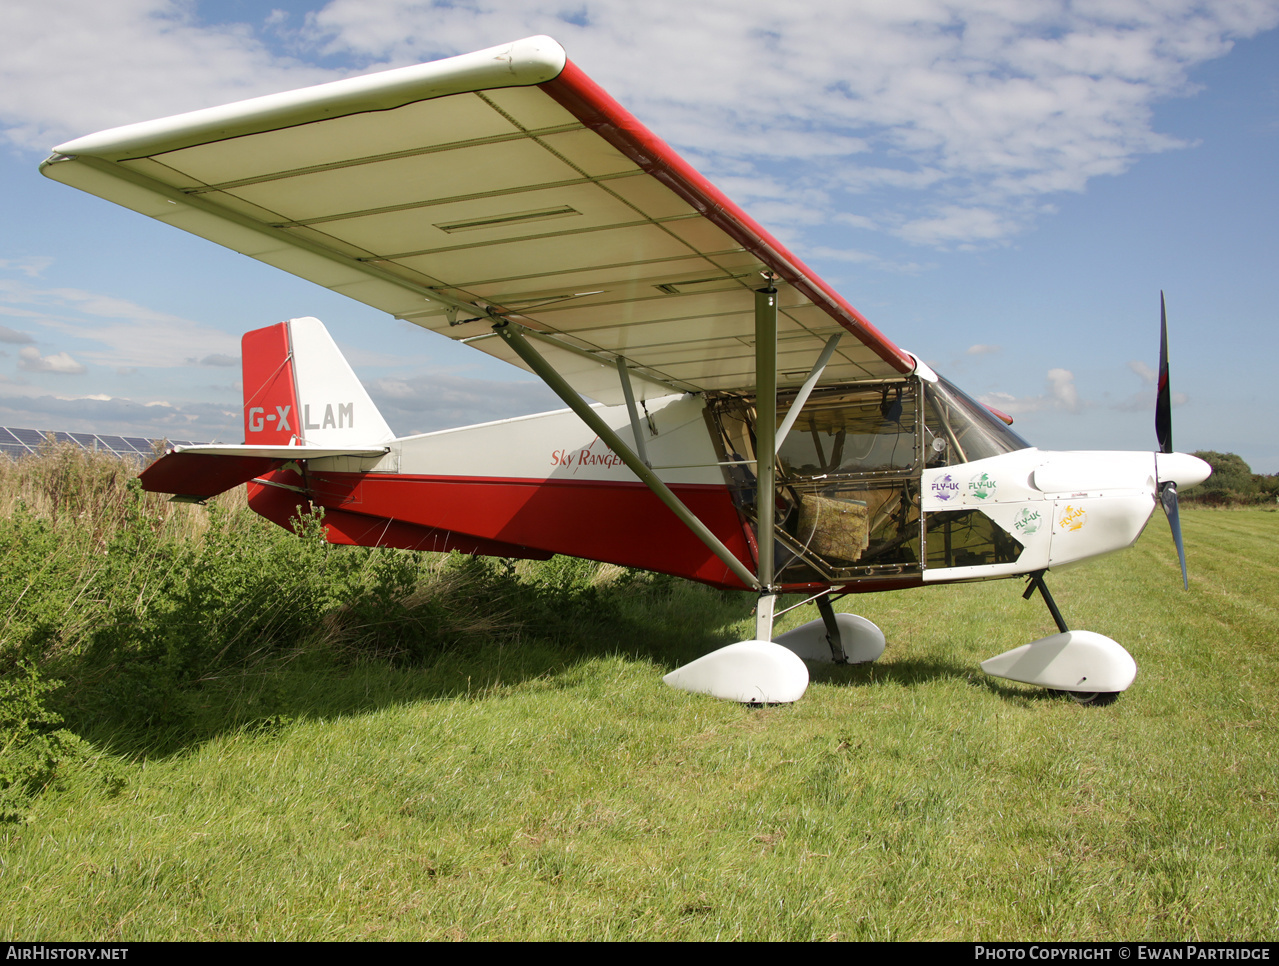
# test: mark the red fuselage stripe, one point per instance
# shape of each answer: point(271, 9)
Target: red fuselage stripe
point(612, 521)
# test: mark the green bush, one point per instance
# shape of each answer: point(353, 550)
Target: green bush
point(150, 616)
point(1233, 483)
point(32, 747)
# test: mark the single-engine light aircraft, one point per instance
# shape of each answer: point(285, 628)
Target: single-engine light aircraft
point(750, 430)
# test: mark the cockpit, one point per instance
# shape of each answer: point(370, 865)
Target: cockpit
point(848, 478)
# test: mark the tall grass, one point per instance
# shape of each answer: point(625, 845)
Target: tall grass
point(522, 773)
point(121, 612)
point(93, 494)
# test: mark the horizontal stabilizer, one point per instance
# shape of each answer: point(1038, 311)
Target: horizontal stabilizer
point(280, 452)
point(202, 475)
point(200, 472)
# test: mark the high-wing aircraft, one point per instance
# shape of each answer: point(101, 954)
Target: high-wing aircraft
point(751, 429)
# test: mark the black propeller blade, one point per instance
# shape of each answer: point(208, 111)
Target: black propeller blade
point(1163, 401)
point(1163, 433)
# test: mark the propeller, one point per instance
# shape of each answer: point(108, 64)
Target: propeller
point(1163, 433)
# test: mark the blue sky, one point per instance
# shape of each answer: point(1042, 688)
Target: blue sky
point(1001, 186)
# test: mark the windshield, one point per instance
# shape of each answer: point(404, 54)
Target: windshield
point(958, 429)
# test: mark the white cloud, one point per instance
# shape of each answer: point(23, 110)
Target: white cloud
point(69, 67)
point(423, 404)
point(969, 113)
point(988, 103)
point(1144, 399)
point(1061, 395)
point(855, 221)
point(842, 254)
point(129, 335)
point(1062, 391)
point(31, 266)
point(220, 359)
point(954, 224)
point(981, 350)
point(31, 361)
point(1144, 372)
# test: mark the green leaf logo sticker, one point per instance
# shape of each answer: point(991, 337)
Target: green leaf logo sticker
point(982, 488)
point(1028, 521)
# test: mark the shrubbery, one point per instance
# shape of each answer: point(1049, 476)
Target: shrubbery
point(119, 611)
point(32, 746)
point(1233, 483)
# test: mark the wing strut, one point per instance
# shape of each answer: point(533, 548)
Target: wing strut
point(765, 450)
point(805, 391)
point(637, 430)
point(513, 336)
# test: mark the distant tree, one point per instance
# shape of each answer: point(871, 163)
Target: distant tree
point(1232, 480)
point(1267, 487)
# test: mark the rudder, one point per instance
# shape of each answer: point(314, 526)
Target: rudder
point(270, 390)
point(299, 389)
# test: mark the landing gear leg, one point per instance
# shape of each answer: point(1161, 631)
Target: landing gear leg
point(1037, 583)
point(833, 637)
point(836, 638)
point(764, 616)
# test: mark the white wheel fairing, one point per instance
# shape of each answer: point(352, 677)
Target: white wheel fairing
point(862, 640)
point(1081, 661)
point(751, 672)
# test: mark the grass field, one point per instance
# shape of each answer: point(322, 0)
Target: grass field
point(549, 786)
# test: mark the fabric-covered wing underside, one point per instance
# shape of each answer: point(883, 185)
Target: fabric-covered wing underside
point(504, 178)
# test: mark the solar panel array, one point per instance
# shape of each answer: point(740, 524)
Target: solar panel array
point(16, 443)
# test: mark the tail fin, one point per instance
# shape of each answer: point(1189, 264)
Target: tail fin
point(301, 401)
point(299, 390)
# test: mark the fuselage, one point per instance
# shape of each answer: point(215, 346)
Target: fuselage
point(874, 492)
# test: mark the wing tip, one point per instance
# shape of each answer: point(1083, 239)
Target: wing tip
point(520, 63)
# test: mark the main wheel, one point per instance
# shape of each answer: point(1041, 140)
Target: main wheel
point(1098, 699)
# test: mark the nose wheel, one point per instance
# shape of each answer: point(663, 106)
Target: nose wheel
point(1097, 699)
